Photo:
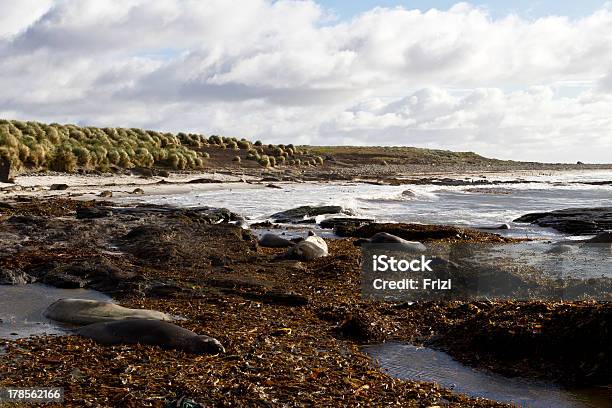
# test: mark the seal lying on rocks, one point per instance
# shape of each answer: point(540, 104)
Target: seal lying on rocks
point(386, 238)
point(312, 247)
point(83, 311)
point(274, 241)
point(151, 332)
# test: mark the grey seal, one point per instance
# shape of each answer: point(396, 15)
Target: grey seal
point(312, 247)
point(386, 238)
point(151, 332)
point(274, 241)
point(84, 311)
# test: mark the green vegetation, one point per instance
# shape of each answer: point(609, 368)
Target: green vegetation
point(70, 148)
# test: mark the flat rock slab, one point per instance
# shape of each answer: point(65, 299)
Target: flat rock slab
point(299, 214)
point(575, 221)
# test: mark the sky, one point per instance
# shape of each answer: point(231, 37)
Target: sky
point(523, 80)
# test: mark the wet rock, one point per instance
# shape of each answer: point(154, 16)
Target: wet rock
point(58, 187)
point(343, 224)
point(274, 241)
point(422, 233)
point(15, 277)
point(603, 238)
point(106, 193)
point(162, 173)
point(138, 191)
point(60, 279)
point(203, 181)
point(295, 215)
point(93, 212)
point(274, 186)
point(575, 221)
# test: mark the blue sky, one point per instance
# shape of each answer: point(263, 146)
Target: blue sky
point(526, 88)
point(524, 8)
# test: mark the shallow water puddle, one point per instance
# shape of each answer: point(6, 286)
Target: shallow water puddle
point(408, 362)
point(22, 307)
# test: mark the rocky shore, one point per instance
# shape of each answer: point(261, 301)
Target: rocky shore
point(291, 329)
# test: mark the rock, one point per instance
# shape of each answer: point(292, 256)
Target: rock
point(106, 194)
point(298, 214)
point(575, 221)
point(408, 193)
point(385, 238)
point(10, 189)
point(270, 178)
point(311, 248)
point(63, 280)
point(151, 332)
point(93, 212)
point(274, 241)
point(274, 186)
point(15, 277)
point(58, 187)
point(344, 223)
point(142, 171)
point(162, 173)
point(6, 171)
point(603, 238)
point(203, 181)
point(84, 311)
point(138, 191)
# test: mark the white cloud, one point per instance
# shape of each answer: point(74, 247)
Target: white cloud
point(284, 71)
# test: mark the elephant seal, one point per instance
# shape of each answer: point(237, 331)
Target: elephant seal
point(274, 241)
point(312, 247)
point(151, 332)
point(386, 238)
point(494, 227)
point(83, 311)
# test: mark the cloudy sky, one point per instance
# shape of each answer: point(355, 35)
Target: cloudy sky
point(528, 80)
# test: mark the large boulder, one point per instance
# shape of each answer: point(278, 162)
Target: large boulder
point(575, 221)
point(299, 214)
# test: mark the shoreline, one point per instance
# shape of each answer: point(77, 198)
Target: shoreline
point(254, 304)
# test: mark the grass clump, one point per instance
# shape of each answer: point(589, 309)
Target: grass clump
point(67, 148)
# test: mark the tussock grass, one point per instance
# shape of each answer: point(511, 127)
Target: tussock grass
point(68, 148)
